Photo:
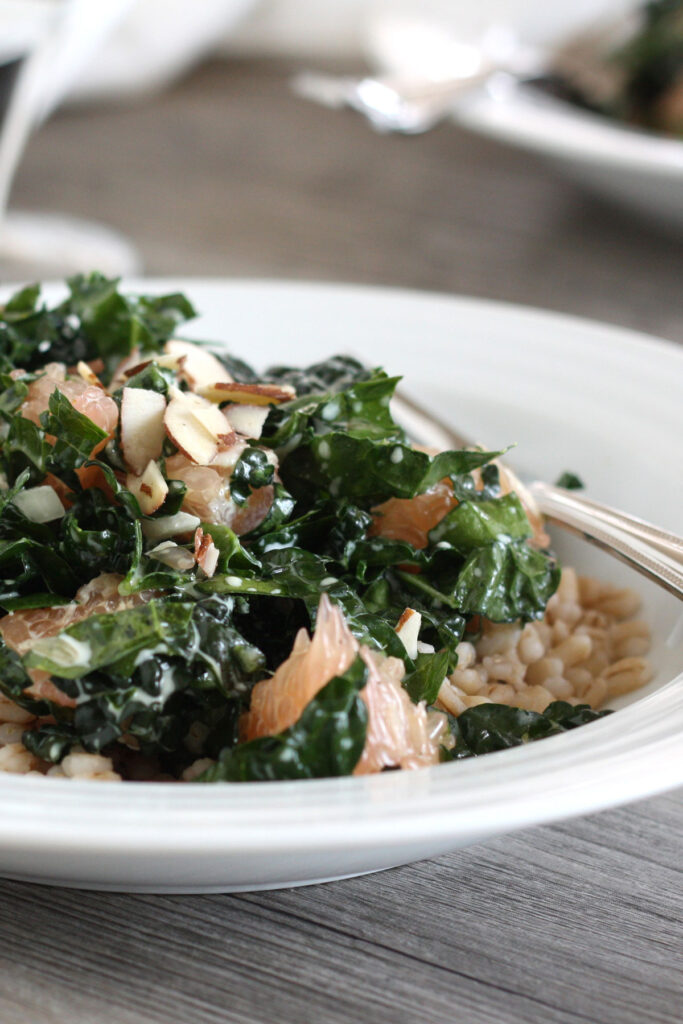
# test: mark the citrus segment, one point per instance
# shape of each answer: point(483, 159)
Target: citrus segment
point(399, 734)
point(411, 519)
point(20, 630)
point(85, 398)
point(208, 495)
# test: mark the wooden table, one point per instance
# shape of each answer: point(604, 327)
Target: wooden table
point(228, 174)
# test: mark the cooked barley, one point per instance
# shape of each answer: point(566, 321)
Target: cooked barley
point(544, 669)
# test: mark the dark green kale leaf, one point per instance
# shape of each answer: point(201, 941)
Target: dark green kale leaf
point(151, 377)
point(13, 393)
point(115, 324)
point(30, 562)
point(94, 321)
point(154, 672)
point(369, 471)
point(51, 742)
point(104, 640)
point(303, 575)
point(489, 727)
point(96, 536)
point(338, 373)
point(29, 568)
point(15, 681)
point(327, 740)
point(252, 471)
point(570, 481)
point(424, 682)
point(474, 524)
point(506, 581)
point(24, 448)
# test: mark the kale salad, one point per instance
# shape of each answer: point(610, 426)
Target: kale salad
point(214, 573)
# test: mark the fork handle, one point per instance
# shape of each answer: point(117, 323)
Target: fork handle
point(653, 552)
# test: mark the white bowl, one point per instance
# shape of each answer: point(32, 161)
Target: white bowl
point(575, 395)
point(637, 169)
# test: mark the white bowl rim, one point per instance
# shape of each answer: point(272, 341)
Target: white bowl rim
point(524, 115)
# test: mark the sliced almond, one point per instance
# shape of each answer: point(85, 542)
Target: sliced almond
point(132, 371)
point(247, 420)
point(88, 375)
point(150, 489)
point(119, 377)
point(407, 630)
point(170, 526)
point(173, 555)
point(188, 434)
point(196, 426)
point(200, 366)
point(142, 427)
point(247, 394)
point(168, 363)
point(213, 420)
point(205, 551)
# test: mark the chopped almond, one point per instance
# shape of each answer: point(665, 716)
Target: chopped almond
point(408, 629)
point(173, 555)
point(205, 551)
point(248, 394)
point(150, 489)
point(170, 526)
point(142, 427)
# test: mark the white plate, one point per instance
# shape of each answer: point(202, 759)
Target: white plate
point(575, 395)
point(638, 169)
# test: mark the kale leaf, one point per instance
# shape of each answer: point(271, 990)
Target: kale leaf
point(489, 727)
point(94, 321)
point(570, 481)
point(152, 672)
point(326, 740)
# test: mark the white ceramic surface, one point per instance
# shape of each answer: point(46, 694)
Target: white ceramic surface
point(637, 169)
point(575, 395)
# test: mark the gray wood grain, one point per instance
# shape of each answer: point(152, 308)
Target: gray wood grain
point(228, 174)
point(578, 922)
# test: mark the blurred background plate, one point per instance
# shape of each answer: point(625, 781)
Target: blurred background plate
point(635, 168)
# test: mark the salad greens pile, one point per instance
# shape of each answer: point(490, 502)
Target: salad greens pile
point(172, 670)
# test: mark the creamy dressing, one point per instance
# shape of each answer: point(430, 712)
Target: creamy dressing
point(64, 651)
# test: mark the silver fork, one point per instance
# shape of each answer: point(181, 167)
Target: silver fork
point(656, 553)
point(406, 97)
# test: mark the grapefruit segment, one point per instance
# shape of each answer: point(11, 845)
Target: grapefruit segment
point(86, 398)
point(208, 495)
point(400, 733)
point(411, 519)
point(20, 630)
